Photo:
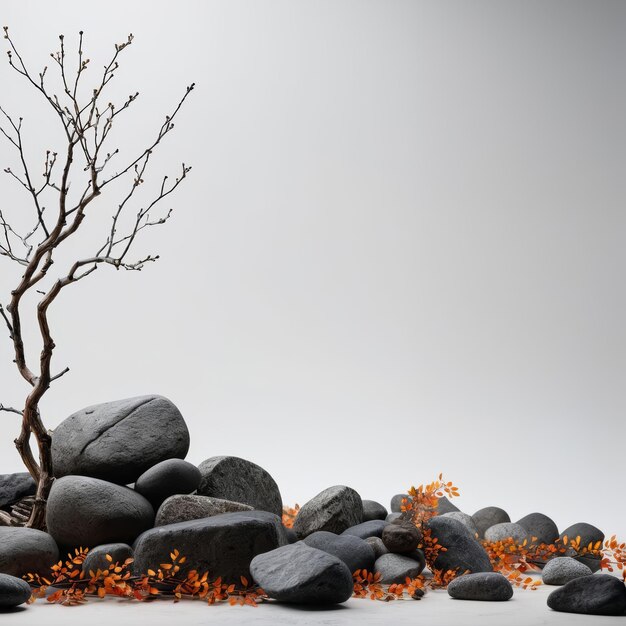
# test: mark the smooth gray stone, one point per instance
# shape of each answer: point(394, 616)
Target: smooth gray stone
point(26, 551)
point(396, 502)
point(167, 478)
point(373, 528)
point(401, 538)
point(600, 594)
point(354, 552)
point(464, 518)
point(182, 508)
point(335, 509)
point(223, 544)
point(463, 552)
point(486, 586)
point(87, 512)
point(96, 557)
point(394, 568)
point(560, 570)
point(232, 478)
point(13, 487)
point(588, 534)
point(376, 543)
point(540, 526)
point(118, 441)
point(507, 530)
point(446, 506)
point(13, 591)
point(488, 517)
point(392, 517)
point(300, 574)
point(373, 511)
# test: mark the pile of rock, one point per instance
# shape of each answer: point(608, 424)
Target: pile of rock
point(123, 488)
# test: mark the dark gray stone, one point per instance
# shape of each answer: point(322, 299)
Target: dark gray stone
point(168, 478)
point(15, 486)
point(588, 534)
point(13, 591)
point(561, 569)
point(232, 478)
point(118, 441)
point(395, 568)
point(373, 528)
point(401, 538)
point(488, 517)
point(354, 552)
point(87, 512)
point(376, 543)
point(396, 502)
point(223, 544)
point(373, 511)
point(540, 526)
point(446, 506)
point(463, 552)
point(96, 557)
point(601, 594)
point(486, 586)
point(335, 509)
point(392, 517)
point(26, 551)
point(291, 535)
point(182, 508)
point(300, 574)
point(464, 518)
point(507, 530)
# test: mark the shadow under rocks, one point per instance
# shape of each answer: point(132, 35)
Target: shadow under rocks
point(11, 609)
point(307, 607)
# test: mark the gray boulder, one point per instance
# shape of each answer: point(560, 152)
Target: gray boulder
point(354, 552)
point(167, 478)
point(464, 518)
point(223, 544)
point(486, 586)
point(588, 533)
point(444, 505)
point(232, 478)
point(507, 530)
point(463, 552)
point(540, 526)
point(182, 508)
point(561, 569)
point(335, 509)
point(88, 512)
point(118, 441)
point(13, 591)
point(373, 528)
point(601, 594)
point(488, 517)
point(96, 557)
point(26, 551)
point(15, 486)
point(401, 538)
point(396, 502)
point(373, 511)
point(392, 517)
point(395, 568)
point(300, 574)
point(376, 543)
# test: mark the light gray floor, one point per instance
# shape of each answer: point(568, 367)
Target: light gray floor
point(527, 608)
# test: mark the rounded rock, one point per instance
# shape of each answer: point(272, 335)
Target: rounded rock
point(540, 526)
point(373, 511)
point(96, 558)
point(376, 543)
point(601, 594)
point(395, 568)
point(464, 518)
point(588, 533)
point(488, 517)
point(13, 487)
point(26, 551)
point(373, 528)
point(506, 530)
point(182, 508)
point(13, 591)
point(485, 586)
point(354, 552)
point(168, 478)
point(401, 538)
point(562, 569)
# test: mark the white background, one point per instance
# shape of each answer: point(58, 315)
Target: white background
point(401, 249)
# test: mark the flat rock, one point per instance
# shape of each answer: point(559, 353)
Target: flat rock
point(588, 533)
point(87, 512)
point(118, 441)
point(223, 544)
point(373, 528)
point(561, 569)
point(486, 586)
point(335, 509)
point(507, 530)
point(540, 526)
point(373, 511)
point(300, 574)
point(13, 591)
point(376, 543)
point(464, 518)
point(182, 508)
point(401, 538)
point(232, 478)
point(354, 552)
point(26, 550)
point(394, 568)
point(488, 517)
point(168, 478)
point(15, 486)
point(601, 594)
point(96, 557)
point(463, 552)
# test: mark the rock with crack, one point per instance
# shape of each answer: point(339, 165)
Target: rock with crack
point(118, 441)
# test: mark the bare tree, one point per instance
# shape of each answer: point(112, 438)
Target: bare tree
point(87, 163)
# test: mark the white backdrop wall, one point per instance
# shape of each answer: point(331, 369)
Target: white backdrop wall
point(401, 249)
